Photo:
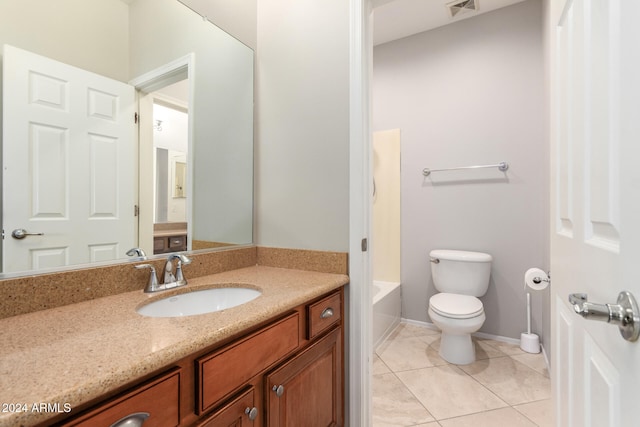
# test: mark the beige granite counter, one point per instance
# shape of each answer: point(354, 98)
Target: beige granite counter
point(75, 353)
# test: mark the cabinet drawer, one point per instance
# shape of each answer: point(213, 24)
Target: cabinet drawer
point(177, 242)
point(158, 244)
point(323, 314)
point(237, 413)
point(159, 398)
point(226, 370)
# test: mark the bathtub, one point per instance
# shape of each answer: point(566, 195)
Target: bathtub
point(386, 310)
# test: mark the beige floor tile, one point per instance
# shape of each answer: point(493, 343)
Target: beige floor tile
point(483, 349)
point(512, 381)
point(404, 353)
point(446, 391)
point(506, 348)
point(394, 405)
point(378, 366)
point(540, 412)
point(534, 361)
point(499, 417)
point(408, 329)
point(522, 376)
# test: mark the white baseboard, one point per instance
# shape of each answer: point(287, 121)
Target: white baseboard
point(546, 358)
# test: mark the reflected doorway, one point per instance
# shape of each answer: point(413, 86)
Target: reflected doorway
point(170, 151)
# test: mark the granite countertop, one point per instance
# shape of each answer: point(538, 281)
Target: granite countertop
point(72, 354)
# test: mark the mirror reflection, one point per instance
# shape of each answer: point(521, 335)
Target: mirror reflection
point(180, 178)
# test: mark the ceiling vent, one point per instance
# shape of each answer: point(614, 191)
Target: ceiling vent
point(462, 6)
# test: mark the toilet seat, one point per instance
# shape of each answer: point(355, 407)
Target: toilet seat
point(456, 306)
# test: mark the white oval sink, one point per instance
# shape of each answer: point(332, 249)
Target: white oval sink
point(198, 302)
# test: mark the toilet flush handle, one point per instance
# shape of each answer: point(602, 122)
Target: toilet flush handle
point(434, 260)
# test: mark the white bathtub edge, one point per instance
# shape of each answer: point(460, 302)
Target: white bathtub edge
point(386, 311)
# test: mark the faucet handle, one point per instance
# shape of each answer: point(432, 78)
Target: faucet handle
point(152, 285)
point(182, 260)
point(180, 257)
point(178, 278)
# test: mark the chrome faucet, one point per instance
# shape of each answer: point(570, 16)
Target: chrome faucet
point(170, 280)
point(178, 278)
point(137, 252)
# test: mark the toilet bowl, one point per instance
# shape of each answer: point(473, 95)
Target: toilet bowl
point(461, 277)
point(457, 316)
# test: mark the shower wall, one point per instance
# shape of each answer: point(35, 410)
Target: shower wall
point(471, 93)
point(385, 239)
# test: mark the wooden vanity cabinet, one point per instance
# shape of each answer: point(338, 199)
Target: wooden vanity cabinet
point(288, 372)
point(308, 390)
point(304, 389)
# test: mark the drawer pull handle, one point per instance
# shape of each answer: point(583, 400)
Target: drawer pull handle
point(132, 420)
point(279, 389)
point(252, 413)
point(326, 313)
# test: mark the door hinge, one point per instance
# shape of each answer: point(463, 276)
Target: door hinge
point(135, 118)
point(363, 245)
point(136, 210)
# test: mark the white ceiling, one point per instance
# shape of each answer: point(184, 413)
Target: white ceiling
point(395, 19)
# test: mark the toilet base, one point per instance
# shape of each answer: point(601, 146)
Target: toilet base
point(457, 349)
point(455, 342)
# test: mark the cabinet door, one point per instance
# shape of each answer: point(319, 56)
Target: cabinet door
point(308, 390)
point(240, 412)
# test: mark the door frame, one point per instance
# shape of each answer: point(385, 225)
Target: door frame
point(156, 79)
point(358, 407)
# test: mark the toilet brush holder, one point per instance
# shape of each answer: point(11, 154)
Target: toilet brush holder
point(530, 343)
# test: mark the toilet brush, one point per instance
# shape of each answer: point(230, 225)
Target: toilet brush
point(529, 342)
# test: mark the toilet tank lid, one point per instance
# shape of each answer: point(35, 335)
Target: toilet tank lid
point(467, 256)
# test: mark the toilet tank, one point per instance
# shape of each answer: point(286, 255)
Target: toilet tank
point(460, 272)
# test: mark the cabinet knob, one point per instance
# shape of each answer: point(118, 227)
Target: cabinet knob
point(279, 389)
point(326, 313)
point(132, 420)
point(252, 413)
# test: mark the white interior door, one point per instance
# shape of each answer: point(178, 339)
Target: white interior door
point(595, 235)
point(69, 164)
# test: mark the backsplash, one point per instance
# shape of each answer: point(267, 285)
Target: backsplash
point(33, 293)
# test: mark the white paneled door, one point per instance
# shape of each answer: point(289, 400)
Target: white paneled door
point(69, 164)
point(595, 199)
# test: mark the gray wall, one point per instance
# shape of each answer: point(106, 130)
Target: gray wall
point(302, 138)
point(471, 93)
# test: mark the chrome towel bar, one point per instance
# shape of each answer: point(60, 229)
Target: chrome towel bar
point(502, 166)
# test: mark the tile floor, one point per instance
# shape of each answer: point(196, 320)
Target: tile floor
point(414, 386)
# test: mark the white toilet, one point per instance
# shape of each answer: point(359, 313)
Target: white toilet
point(460, 277)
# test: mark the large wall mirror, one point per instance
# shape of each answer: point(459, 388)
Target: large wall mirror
point(126, 124)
